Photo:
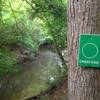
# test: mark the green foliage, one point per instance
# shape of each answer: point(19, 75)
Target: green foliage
point(30, 23)
point(47, 40)
point(15, 29)
point(7, 62)
point(53, 13)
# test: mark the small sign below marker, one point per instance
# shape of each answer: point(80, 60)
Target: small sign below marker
point(89, 51)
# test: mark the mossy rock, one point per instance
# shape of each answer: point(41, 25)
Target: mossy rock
point(35, 77)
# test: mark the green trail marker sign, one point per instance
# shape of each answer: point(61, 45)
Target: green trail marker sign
point(89, 51)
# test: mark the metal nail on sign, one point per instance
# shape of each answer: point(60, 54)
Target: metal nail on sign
point(89, 51)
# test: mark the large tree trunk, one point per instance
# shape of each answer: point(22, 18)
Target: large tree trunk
point(83, 17)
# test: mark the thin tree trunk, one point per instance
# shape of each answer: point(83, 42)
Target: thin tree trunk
point(83, 17)
point(59, 52)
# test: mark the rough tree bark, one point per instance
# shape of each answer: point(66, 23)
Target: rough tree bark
point(83, 17)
